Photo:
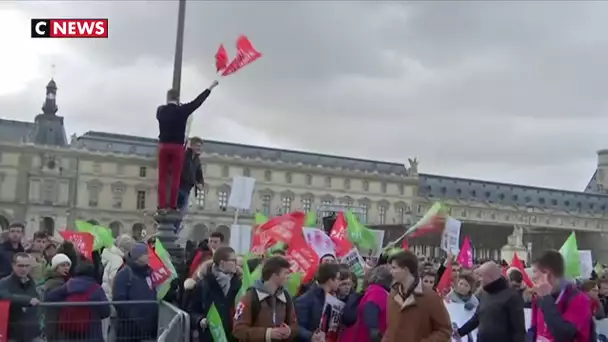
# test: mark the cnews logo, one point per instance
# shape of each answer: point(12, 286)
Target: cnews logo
point(69, 28)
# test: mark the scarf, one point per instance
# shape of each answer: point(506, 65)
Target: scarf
point(223, 279)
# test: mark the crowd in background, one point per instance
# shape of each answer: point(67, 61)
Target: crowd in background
point(396, 290)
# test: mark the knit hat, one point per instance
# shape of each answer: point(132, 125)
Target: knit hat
point(138, 250)
point(59, 259)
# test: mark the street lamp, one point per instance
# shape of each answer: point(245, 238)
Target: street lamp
point(168, 221)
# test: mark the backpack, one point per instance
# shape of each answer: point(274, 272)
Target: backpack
point(562, 308)
point(256, 306)
point(77, 319)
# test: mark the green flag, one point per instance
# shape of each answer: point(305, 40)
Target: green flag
point(293, 283)
point(245, 283)
point(86, 227)
point(311, 219)
point(165, 257)
point(572, 260)
point(215, 325)
point(359, 234)
point(259, 218)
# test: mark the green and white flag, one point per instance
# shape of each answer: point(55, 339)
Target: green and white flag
point(215, 325)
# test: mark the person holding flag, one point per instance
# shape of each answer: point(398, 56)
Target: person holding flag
point(172, 120)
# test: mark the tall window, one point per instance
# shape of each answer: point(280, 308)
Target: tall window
point(246, 172)
point(288, 178)
point(306, 204)
point(365, 186)
point(222, 199)
point(93, 196)
point(383, 187)
point(308, 180)
point(225, 171)
point(401, 189)
point(266, 205)
point(96, 167)
point(267, 176)
point(328, 182)
point(364, 212)
point(346, 183)
point(382, 212)
point(116, 200)
point(400, 215)
point(325, 213)
point(49, 193)
point(200, 200)
point(141, 199)
point(120, 169)
point(143, 172)
point(286, 204)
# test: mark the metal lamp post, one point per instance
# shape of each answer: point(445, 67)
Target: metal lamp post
point(167, 221)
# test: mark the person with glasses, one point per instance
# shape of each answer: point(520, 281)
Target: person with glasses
point(219, 286)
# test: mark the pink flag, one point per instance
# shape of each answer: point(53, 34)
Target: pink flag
point(465, 256)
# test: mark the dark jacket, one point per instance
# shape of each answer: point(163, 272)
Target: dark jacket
point(499, 316)
point(82, 284)
point(23, 318)
point(135, 321)
point(206, 293)
point(53, 281)
point(309, 310)
point(192, 172)
point(6, 257)
point(172, 119)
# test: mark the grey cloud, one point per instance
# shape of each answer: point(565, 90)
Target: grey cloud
point(510, 91)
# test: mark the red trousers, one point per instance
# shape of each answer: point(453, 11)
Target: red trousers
point(170, 163)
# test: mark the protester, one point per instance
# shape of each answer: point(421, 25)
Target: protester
point(428, 279)
point(409, 302)
point(216, 240)
point(192, 177)
point(312, 305)
point(70, 251)
point(502, 308)
point(77, 322)
point(219, 286)
point(39, 262)
point(50, 251)
point(10, 247)
point(56, 276)
point(266, 311)
point(590, 288)
point(560, 311)
point(603, 295)
point(113, 259)
point(172, 120)
point(463, 292)
point(371, 312)
point(135, 322)
point(20, 290)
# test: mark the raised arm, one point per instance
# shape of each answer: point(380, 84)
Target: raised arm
point(189, 107)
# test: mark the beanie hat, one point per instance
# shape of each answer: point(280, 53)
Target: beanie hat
point(59, 259)
point(138, 250)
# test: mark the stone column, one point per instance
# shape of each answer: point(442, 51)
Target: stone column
point(166, 234)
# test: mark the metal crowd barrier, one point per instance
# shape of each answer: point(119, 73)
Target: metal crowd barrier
point(132, 321)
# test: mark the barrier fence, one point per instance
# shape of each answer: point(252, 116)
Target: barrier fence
point(112, 321)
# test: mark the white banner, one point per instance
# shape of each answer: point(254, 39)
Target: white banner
point(586, 260)
point(319, 241)
point(451, 236)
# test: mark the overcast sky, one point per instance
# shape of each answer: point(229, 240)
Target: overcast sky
point(503, 91)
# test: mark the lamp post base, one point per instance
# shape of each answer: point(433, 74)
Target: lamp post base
point(166, 235)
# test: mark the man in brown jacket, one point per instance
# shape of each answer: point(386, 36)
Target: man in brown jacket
point(415, 314)
point(266, 312)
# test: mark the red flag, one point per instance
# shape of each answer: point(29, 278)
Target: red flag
point(303, 258)
point(83, 242)
point(516, 262)
point(221, 58)
point(5, 306)
point(160, 272)
point(278, 229)
point(465, 256)
point(404, 244)
point(339, 235)
point(445, 283)
point(246, 54)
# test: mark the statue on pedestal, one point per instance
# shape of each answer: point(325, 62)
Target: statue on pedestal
point(517, 238)
point(413, 169)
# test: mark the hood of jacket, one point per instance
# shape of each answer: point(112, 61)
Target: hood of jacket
point(80, 284)
point(112, 255)
point(263, 292)
point(200, 273)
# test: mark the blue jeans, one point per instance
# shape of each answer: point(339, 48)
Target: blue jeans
point(183, 199)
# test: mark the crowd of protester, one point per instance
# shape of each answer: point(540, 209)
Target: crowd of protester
point(396, 300)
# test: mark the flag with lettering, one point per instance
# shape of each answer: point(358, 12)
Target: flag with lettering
point(278, 229)
point(302, 257)
point(165, 257)
point(246, 54)
point(82, 241)
point(160, 272)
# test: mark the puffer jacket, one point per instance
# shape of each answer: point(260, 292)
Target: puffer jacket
point(112, 260)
